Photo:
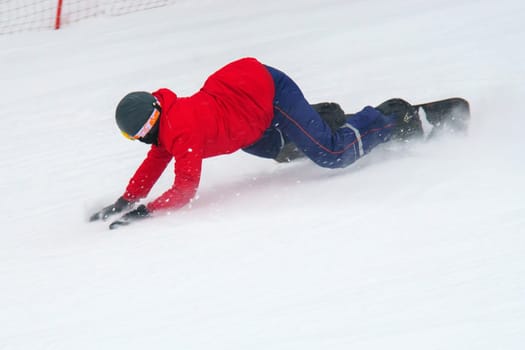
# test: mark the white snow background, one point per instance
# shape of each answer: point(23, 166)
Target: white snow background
point(413, 247)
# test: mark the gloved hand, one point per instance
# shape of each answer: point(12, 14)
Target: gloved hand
point(115, 208)
point(138, 214)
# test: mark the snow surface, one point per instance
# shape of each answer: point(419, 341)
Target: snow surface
point(413, 247)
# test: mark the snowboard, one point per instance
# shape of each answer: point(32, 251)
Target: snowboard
point(451, 115)
point(447, 116)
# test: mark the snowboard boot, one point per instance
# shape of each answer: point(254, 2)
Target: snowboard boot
point(288, 153)
point(407, 118)
point(332, 114)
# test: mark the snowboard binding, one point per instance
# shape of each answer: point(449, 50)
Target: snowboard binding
point(408, 124)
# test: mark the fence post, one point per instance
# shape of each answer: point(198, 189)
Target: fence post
point(59, 13)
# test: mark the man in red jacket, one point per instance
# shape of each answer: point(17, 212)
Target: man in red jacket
point(244, 105)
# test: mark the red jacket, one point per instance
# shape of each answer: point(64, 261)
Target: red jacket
point(231, 111)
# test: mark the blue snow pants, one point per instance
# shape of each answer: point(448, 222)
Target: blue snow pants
point(296, 121)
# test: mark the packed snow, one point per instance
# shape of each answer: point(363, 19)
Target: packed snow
point(415, 246)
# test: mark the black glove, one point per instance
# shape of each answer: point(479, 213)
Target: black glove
point(115, 208)
point(138, 214)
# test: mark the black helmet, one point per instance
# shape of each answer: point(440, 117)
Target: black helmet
point(137, 113)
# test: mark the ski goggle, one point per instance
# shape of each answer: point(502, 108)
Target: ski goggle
point(146, 128)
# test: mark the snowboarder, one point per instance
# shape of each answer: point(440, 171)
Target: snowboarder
point(244, 105)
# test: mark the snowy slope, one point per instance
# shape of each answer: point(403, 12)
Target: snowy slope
point(412, 247)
